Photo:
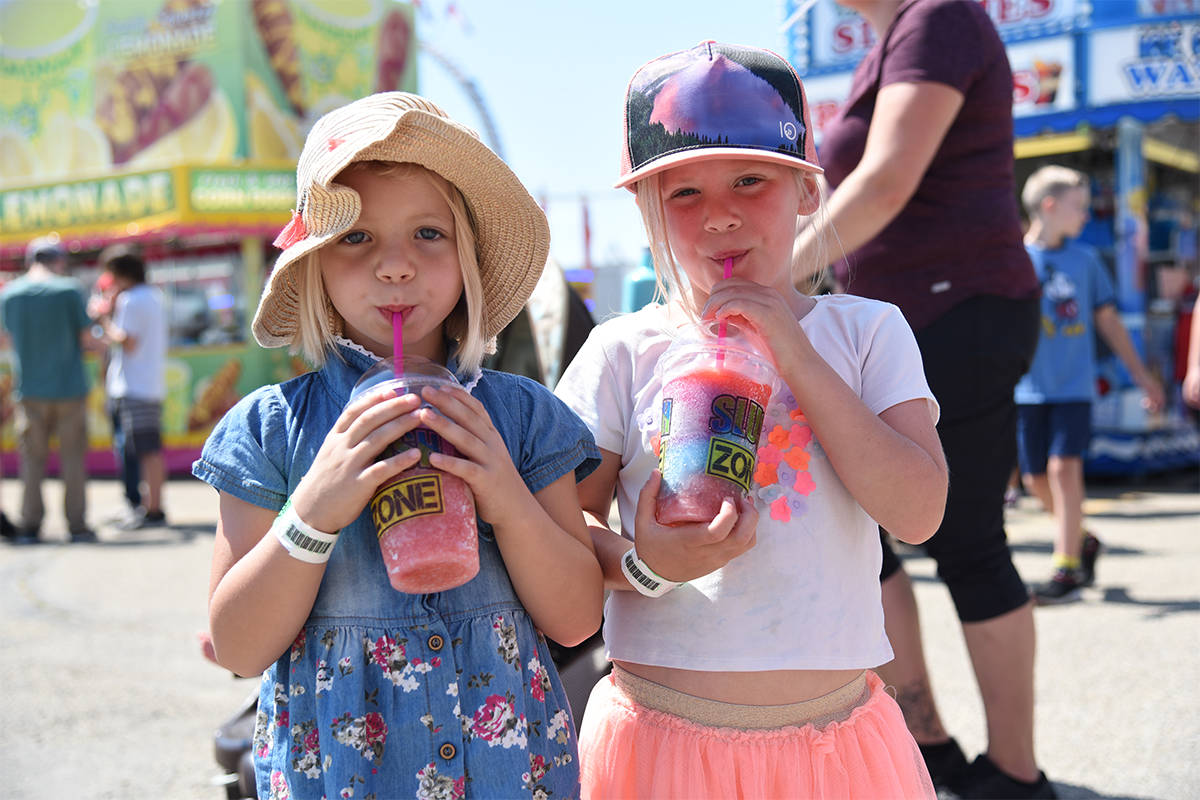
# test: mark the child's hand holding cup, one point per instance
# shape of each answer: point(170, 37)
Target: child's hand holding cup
point(425, 518)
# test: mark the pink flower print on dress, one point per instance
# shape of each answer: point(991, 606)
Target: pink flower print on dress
point(306, 749)
point(390, 656)
point(506, 641)
point(540, 683)
point(366, 734)
point(297, 651)
point(279, 787)
point(498, 723)
point(261, 741)
point(804, 483)
point(432, 786)
point(537, 770)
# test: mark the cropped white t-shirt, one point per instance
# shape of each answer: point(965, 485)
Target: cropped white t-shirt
point(806, 596)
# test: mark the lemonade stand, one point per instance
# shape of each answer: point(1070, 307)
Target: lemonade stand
point(175, 124)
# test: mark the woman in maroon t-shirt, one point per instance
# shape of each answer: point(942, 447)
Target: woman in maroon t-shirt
point(920, 160)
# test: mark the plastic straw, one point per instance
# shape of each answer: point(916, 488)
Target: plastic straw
point(397, 343)
point(721, 326)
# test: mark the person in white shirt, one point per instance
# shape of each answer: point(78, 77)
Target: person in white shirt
point(136, 377)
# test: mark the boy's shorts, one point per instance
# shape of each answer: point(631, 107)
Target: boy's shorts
point(141, 421)
point(1051, 429)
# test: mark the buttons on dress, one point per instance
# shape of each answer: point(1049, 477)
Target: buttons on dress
point(436, 642)
point(447, 751)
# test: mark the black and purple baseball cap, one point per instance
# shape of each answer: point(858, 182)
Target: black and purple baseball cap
point(715, 101)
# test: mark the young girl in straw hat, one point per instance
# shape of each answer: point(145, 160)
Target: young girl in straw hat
point(367, 691)
point(743, 646)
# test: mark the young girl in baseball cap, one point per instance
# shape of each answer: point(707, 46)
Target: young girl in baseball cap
point(743, 646)
point(368, 691)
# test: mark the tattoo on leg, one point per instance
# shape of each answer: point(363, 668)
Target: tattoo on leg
point(920, 713)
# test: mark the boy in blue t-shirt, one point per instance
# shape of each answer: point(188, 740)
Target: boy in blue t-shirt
point(1054, 399)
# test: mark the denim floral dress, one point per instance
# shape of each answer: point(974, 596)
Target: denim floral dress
point(388, 695)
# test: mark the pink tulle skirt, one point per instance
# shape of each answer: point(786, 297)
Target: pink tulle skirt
point(628, 750)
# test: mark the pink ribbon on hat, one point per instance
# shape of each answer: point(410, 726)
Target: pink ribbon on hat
point(293, 232)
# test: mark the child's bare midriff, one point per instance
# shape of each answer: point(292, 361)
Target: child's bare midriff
point(771, 687)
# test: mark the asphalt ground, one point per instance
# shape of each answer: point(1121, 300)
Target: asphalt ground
point(105, 693)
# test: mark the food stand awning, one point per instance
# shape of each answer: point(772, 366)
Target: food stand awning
point(170, 202)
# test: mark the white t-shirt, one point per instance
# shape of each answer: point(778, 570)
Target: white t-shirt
point(140, 372)
point(806, 596)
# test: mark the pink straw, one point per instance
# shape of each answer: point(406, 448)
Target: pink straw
point(721, 326)
point(397, 343)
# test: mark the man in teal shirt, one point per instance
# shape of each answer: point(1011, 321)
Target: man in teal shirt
point(44, 316)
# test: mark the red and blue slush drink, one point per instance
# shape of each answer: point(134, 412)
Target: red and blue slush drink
point(425, 518)
point(715, 393)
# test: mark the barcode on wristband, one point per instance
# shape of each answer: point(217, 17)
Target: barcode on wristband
point(306, 542)
point(639, 576)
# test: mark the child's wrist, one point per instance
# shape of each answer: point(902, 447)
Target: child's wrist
point(302, 541)
point(645, 580)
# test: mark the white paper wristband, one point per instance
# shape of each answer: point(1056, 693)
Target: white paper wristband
point(642, 578)
point(302, 541)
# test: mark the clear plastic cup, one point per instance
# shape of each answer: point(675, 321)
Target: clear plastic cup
point(425, 518)
point(715, 393)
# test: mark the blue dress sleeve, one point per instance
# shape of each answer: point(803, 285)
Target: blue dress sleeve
point(552, 440)
point(246, 451)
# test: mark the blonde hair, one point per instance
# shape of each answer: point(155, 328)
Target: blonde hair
point(1050, 181)
point(666, 268)
point(318, 322)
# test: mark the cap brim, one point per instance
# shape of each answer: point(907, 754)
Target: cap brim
point(710, 153)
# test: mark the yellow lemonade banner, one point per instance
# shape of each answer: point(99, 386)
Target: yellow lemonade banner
point(130, 203)
point(88, 88)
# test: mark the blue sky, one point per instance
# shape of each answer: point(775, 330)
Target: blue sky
point(553, 75)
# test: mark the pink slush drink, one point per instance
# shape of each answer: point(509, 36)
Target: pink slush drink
point(712, 414)
point(425, 518)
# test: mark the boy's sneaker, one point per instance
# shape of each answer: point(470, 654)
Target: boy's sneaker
point(1064, 586)
point(985, 780)
point(1087, 559)
point(7, 529)
point(141, 518)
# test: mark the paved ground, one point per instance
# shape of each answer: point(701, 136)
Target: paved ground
point(105, 694)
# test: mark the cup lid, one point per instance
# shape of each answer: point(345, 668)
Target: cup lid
point(418, 372)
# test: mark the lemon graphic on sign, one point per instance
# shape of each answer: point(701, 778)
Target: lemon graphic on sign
point(71, 146)
point(17, 160)
point(274, 134)
point(209, 137)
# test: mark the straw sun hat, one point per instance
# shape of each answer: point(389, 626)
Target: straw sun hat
point(512, 238)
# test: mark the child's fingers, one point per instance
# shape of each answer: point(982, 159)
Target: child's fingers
point(388, 468)
point(460, 407)
point(378, 411)
point(355, 408)
point(647, 500)
point(376, 440)
point(465, 425)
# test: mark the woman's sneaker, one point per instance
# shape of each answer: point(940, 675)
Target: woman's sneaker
point(985, 780)
point(947, 766)
point(1064, 586)
point(1087, 559)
